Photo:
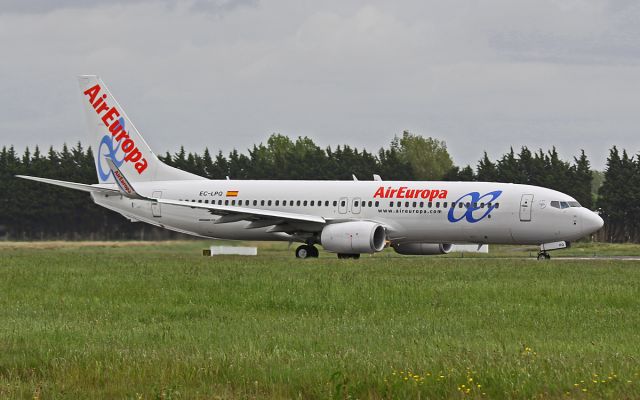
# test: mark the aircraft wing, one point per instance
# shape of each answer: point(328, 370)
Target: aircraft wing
point(237, 213)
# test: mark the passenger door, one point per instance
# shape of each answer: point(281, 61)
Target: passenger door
point(526, 204)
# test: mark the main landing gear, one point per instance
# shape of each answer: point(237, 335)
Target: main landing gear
point(307, 251)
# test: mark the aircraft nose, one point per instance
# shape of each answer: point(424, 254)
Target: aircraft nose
point(592, 222)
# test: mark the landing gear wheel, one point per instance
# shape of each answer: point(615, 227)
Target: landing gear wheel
point(303, 252)
point(313, 252)
point(543, 255)
point(343, 256)
point(307, 251)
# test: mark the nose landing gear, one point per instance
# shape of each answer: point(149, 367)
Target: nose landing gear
point(543, 254)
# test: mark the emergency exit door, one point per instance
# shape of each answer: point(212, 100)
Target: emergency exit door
point(342, 205)
point(526, 204)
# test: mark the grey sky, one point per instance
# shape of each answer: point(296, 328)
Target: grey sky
point(226, 74)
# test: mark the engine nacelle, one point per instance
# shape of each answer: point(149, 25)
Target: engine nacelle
point(354, 237)
point(422, 249)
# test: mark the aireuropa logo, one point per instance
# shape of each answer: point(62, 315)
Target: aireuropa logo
point(475, 207)
point(107, 148)
point(113, 120)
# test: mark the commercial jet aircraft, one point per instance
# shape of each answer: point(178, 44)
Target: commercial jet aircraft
point(344, 217)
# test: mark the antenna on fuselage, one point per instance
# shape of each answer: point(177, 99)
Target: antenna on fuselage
point(354, 177)
point(376, 177)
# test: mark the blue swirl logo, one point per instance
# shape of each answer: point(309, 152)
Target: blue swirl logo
point(473, 209)
point(107, 148)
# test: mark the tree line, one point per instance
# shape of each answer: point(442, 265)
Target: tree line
point(29, 210)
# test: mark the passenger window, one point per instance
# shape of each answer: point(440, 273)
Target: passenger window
point(291, 203)
point(414, 204)
point(497, 205)
point(481, 205)
point(269, 203)
point(298, 203)
point(355, 203)
point(304, 203)
point(262, 202)
point(226, 202)
point(437, 204)
point(377, 204)
point(406, 204)
point(233, 202)
point(199, 201)
point(460, 205)
point(391, 204)
point(311, 203)
point(422, 204)
point(370, 203)
point(219, 202)
point(343, 203)
point(335, 203)
point(430, 204)
point(277, 202)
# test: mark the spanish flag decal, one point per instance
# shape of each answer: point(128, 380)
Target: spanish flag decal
point(232, 193)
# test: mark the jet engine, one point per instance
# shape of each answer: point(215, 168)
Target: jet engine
point(422, 249)
point(353, 237)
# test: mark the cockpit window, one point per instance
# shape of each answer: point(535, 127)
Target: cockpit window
point(564, 204)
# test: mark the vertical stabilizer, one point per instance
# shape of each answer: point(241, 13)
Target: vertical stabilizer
point(114, 136)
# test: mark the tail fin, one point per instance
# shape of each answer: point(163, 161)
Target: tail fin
point(115, 137)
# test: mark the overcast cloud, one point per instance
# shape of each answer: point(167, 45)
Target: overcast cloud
point(226, 74)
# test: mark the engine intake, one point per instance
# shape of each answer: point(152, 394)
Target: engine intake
point(353, 237)
point(422, 249)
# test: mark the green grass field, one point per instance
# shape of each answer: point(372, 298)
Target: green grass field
point(159, 320)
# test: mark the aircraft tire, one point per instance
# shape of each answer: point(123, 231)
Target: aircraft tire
point(303, 252)
point(544, 256)
point(313, 252)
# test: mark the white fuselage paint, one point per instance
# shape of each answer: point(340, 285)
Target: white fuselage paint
point(509, 223)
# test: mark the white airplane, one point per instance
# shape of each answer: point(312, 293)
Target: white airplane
point(345, 217)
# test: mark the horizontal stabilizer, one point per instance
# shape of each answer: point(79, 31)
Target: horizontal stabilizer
point(100, 188)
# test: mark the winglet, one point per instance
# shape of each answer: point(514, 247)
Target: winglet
point(123, 184)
